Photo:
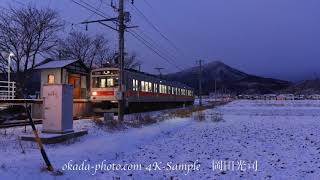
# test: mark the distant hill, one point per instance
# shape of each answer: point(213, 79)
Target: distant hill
point(228, 80)
point(305, 87)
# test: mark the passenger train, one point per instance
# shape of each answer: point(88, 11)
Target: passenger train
point(142, 91)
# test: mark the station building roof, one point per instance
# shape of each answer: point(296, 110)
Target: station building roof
point(52, 64)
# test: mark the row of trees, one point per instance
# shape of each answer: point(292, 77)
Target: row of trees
point(32, 34)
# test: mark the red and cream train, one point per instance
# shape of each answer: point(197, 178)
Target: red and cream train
point(143, 91)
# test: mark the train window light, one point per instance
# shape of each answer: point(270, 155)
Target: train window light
point(95, 83)
point(149, 87)
point(155, 87)
point(110, 82)
point(161, 88)
point(143, 88)
point(102, 83)
point(135, 85)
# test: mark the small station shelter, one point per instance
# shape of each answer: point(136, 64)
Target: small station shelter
point(73, 72)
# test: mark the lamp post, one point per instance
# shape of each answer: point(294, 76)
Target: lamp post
point(9, 71)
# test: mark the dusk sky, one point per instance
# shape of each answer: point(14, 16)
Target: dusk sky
point(272, 38)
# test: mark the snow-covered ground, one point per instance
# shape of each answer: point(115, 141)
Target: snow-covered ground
point(279, 137)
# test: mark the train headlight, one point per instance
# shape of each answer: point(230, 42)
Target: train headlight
point(94, 93)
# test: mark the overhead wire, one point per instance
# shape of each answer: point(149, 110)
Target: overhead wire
point(156, 28)
point(141, 40)
point(134, 34)
point(141, 14)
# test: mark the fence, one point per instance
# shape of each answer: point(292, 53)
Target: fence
point(7, 90)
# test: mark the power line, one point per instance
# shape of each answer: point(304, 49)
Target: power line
point(148, 4)
point(134, 34)
point(152, 49)
point(156, 28)
point(93, 9)
point(164, 51)
point(93, 12)
point(159, 51)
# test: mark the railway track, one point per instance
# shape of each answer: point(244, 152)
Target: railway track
point(18, 123)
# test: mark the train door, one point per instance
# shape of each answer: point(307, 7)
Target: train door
point(74, 81)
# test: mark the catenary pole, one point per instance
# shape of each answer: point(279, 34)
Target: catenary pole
point(122, 88)
point(200, 82)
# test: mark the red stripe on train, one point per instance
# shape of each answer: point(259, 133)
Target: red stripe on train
point(105, 93)
point(135, 93)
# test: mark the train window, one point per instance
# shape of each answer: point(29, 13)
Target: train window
point(110, 82)
point(103, 82)
point(143, 87)
point(169, 90)
point(162, 88)
point(155, 87)
point(146, 86)
point(95, 82)
point(135, 85)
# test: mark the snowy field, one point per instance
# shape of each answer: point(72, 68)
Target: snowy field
point(264, 140)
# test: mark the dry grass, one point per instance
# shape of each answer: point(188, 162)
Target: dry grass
point(199, 116)
point(98, 122)
point(212, 117)
point(186, 112)
point(112, 124)
point(139, 119)
point(216, 117)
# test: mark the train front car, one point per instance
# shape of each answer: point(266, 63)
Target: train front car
point(104, 88)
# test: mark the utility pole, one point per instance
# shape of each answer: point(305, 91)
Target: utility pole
point(215, 88)
point(122, 88)
point(200, 82)
point(9, 94)
point(159, 70)
point(121, 19)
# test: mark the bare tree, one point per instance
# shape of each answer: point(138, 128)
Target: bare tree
point(93, 51)
point(28, 33)
point(130, 61)
point(80, 46)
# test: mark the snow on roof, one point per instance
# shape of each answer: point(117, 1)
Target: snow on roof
point(56, 64)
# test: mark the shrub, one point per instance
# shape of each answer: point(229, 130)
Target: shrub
point(139, 119)
point(199, 116)
point(216, 117)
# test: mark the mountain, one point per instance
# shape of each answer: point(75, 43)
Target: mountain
point(227, 79)
point(305, 87)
